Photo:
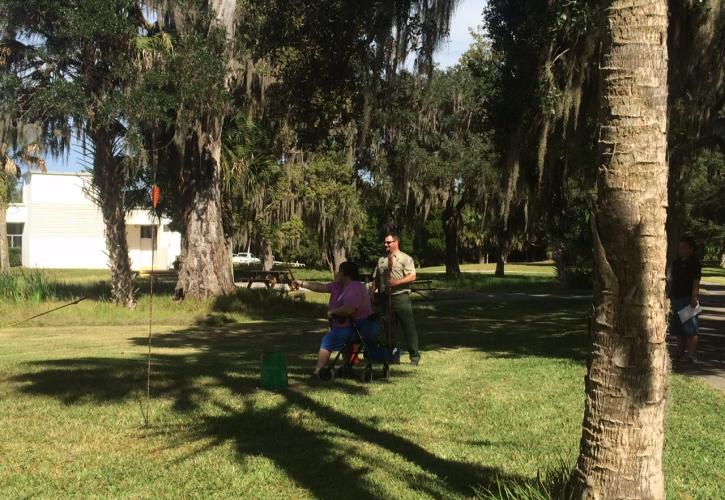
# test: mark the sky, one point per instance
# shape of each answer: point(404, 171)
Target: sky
point(466, 16)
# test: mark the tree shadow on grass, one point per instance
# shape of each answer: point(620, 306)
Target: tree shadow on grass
point(269, 305)
point(256, 304)
point(82, 380)
point(552, 328)
point(217, 347)
point(328, 464)
point(315, 458)
point(317, 445)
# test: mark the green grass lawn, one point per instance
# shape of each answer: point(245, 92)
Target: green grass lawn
point(527, 268)
point(498, 397)
point(537, 277)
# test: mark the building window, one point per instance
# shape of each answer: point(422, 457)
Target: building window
point(147, 232)
point(15, 234)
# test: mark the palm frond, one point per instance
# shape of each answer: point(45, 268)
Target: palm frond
point(152, 48)
point(9, 167)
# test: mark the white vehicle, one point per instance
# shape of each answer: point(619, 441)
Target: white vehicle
point(245, 258)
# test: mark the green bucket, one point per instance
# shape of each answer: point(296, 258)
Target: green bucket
point(274, 370)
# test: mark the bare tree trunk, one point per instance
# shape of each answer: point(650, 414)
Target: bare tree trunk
point(559, 255)
point(4, 250)
point(336, 255)
point(503, 252)
point(722, 260)
point(450, 220)
point(500, 266)
point(267, 256)
point(205, 255)
point(205, 252)
point(626, 382)
point(108, 183)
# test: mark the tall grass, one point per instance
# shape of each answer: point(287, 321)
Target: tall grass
point(553, 484)
point(30, 285)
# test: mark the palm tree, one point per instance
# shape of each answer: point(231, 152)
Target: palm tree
point(73, 67)
point(23, 153)
point(626, 383)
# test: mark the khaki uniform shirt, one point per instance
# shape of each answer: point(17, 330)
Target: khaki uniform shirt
point(403, 265)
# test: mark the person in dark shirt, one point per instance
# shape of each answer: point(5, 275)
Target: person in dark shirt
point(684, 290)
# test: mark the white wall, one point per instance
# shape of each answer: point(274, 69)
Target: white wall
point(57, 187)
point(64, 228)
point(172, 242)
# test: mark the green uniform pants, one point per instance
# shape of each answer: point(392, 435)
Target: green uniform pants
point(403, 320)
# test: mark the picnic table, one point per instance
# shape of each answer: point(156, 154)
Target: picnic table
point(424, 288)
point(269, 278)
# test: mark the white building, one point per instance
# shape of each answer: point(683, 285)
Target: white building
point(58, 226)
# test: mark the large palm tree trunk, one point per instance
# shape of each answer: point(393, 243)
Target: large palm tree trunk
point(626, 383)
point(108, 180)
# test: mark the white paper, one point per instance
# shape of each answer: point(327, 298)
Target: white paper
point(687, 312)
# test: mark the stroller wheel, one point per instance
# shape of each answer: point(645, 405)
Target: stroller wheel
point(367, 375)
point(386, 372)
point(326, 374)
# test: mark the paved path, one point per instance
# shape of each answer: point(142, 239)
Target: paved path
point(711, 351)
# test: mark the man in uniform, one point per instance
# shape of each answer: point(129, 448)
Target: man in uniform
point(394, 274)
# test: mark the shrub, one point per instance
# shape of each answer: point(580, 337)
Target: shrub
point(16, 257)
point(9, 287)
point(30, 284)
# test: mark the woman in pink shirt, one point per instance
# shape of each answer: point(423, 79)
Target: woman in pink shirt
point(349, 301)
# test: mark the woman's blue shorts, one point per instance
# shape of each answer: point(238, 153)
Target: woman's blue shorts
point(337, 338)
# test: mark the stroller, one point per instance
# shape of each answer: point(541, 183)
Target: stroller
point(365, 341)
